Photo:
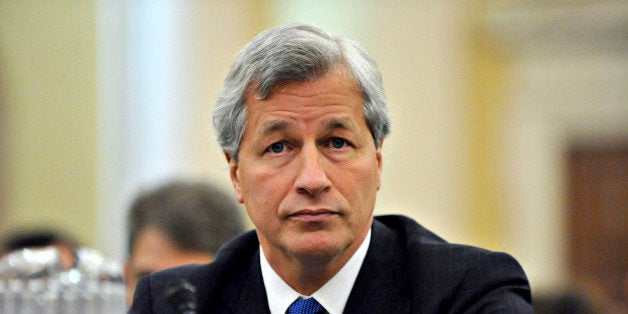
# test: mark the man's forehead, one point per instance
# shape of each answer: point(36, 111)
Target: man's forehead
point(341, 76)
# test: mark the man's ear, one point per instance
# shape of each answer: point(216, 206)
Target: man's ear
point(233, 174)
point(127, 273)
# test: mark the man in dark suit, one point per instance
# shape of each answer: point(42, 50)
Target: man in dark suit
point(302, 118)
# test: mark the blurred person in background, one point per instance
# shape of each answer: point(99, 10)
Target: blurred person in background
point(43, 270)
point(178, 223)
point(41, 238)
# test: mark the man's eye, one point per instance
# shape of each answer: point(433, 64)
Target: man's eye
point(277, 147)
point(337, 142)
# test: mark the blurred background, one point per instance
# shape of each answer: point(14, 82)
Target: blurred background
point(510, 118)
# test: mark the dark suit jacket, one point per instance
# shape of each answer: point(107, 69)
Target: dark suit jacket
point(407, 269)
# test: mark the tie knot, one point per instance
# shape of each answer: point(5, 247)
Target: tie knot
point(305, 306)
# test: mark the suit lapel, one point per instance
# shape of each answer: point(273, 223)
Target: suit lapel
point(247, 294)
point(381, 286)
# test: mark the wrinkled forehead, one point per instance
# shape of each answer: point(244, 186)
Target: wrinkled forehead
point(328, 104)
point(261, 89)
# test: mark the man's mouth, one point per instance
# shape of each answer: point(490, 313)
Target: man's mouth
point(308, 215)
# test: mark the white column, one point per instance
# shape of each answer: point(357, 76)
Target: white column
point(161, 63)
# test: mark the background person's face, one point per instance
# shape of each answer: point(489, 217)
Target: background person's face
point(153, 251)
point(308, 170)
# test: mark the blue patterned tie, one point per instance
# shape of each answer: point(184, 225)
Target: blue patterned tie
point(305, 306)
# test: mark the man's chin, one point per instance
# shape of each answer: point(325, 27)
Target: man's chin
point(318, 246)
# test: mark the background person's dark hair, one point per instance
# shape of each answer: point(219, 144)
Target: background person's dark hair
point(194, 215)
point(34, 238)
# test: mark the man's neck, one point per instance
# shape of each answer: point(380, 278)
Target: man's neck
point(333, 295)
point(307, 274)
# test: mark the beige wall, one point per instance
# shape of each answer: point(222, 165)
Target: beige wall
point(48, 108)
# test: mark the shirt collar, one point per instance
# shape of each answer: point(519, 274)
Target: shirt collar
point(333, 295)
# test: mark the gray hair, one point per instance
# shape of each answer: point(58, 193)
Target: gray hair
point(195, 216)
point(295, 53)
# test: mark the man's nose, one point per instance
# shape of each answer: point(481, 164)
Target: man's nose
point(312, 176)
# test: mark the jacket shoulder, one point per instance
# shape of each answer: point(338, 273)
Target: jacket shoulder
point(443, 277)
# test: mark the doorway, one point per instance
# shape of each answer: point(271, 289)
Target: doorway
point(597, 224)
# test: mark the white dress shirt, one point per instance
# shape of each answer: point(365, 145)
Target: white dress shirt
point(333, 295)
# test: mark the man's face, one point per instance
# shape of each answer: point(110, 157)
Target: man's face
point(153, 251)
point(308, 170)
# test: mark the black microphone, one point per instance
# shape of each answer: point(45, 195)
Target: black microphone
point(181, 295)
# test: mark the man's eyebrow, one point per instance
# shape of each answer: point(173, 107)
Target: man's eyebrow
point(330, 124)
point(272, 126)
point(339, 123)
